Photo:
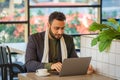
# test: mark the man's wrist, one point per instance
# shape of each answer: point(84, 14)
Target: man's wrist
point(47, 66)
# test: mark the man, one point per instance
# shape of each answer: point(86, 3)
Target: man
point(48, 49)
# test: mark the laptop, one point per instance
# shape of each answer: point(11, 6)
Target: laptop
point(75, 66)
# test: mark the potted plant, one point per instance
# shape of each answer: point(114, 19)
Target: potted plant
point(106, 33)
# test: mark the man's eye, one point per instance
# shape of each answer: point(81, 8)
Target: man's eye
point(57, 28)
point(62, 28)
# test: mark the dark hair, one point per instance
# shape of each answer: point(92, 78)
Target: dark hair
point(56, 15)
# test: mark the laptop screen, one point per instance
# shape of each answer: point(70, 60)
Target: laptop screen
point(75, 66)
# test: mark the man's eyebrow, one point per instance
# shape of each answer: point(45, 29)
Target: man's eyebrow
point(60, 27)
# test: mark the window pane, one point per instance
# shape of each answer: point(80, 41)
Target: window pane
point(12, 10)
point(110, 9)
point(77, 22)
point(63, 2)
point(12, 33)
point(115, 26)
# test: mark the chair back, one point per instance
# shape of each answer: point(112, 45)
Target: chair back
point(1, 60)
point(6, 65)
point(3, 65)
point(6, 56)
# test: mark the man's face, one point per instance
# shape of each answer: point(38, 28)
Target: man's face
point(57, 28)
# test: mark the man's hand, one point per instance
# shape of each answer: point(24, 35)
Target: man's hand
point(56, 66)
point(90, 69)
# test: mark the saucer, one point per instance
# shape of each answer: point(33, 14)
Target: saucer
point(47, 74)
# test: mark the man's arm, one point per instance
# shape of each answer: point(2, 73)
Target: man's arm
point(34, 54)
point(31, 57)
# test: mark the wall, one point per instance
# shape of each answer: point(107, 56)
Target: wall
point(105, 63)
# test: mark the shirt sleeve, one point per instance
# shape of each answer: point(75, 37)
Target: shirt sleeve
point(47, 66)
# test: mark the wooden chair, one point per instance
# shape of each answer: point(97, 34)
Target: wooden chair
point(9, 70)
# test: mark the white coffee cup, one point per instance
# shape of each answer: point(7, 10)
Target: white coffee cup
point(42, 71)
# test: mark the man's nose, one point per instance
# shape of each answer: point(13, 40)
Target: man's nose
point(60, 31)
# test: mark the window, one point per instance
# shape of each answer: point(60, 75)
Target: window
point(110, 9)
point(20, 18)
point(79, 13)
point(77, 22)
point(12, 33)
point(12, 10)
point(63, 2)
point(13, 22)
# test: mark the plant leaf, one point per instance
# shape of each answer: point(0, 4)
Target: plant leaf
point(112, 20)
point(104, 45)
point(119, 28)
point(107, 32)
point(94, 41)
point(93, 26)
point(96, 26)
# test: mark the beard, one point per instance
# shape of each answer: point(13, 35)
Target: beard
point(55, 36)
point(58, 36)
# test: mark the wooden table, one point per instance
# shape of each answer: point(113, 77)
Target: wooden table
point(32, 76)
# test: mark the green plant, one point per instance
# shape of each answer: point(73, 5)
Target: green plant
point(106, 33)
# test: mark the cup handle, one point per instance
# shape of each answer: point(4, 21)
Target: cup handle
point(36, 71)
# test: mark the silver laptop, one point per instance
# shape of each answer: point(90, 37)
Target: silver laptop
point(75, 66)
